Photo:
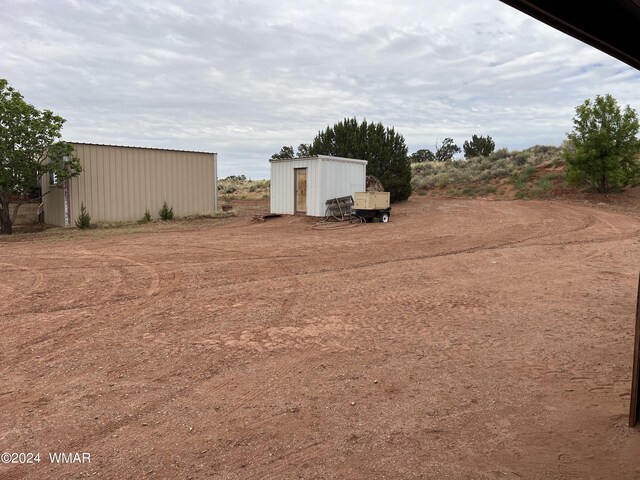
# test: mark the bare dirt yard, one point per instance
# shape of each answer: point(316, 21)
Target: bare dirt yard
point(464, 339)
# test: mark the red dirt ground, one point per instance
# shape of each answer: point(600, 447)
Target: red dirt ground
point(464, 339)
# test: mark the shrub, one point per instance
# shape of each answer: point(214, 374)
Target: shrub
point(521, 159)
point(478, 146)
point(84, 219)
point(500, 153)
point(235, 178)
point(605, 145)
point(147, 217)
point(166, 212)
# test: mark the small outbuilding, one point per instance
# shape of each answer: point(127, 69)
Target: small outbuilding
point(303, 185)
point(120, 183)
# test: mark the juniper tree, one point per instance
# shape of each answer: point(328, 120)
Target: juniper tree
point(382, 147)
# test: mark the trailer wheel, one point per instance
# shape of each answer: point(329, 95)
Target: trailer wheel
point(384, 218)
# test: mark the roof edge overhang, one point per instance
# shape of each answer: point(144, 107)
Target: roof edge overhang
point(139, 148)
point(591, 23)
point(321, 158)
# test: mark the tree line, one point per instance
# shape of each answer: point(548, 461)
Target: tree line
point(601, 152)
point(384, 149)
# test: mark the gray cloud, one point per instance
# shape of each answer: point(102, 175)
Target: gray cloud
point(244, 78)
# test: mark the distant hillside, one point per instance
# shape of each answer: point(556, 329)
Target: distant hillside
point(537, 172)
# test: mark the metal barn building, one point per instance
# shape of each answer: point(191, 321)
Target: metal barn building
point(120, 183)
point(303, 185)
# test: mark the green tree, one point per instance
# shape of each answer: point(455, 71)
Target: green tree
point(383, 148)
point(29, 149)
point(422, 155)
point(603, 145)
point(285, 152)
point(446, 151)
point(303, 150)
point(478, 146)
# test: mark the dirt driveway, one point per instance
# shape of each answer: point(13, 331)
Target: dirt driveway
point(464, 339)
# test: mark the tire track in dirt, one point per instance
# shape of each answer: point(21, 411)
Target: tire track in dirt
point(279, 373)
point(392, 329)
point(300, 455)
point(152, 271)
point(588, 221)
point(235, 412)
point(75, 328)
point(83, 297)
point(291, 296)
point(22, 289)
point(84, 442)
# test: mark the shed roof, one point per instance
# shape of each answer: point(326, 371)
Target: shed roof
point(319, 157)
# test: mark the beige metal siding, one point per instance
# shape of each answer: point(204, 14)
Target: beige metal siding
point(120, 183)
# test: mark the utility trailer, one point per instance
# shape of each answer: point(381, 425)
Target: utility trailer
point(371, 205)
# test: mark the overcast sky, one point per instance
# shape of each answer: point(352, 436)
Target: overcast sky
point(244, 78)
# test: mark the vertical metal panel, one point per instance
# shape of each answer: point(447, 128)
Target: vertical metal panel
point(282, 191)
point(136, 192)
point(104, 177)
point(132, 192)
point(150, 174)
point(178, 178)
point(94, 194)
point(214, 173)
point(315, 205)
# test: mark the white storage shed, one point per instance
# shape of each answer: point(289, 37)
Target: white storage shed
point(303, 185)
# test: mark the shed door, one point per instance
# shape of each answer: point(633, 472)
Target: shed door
point(301, 189)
